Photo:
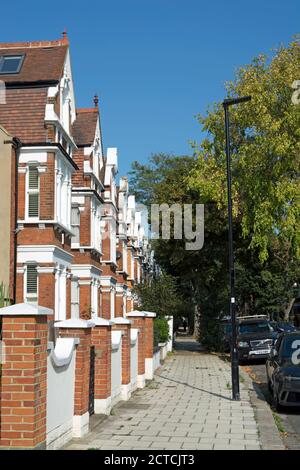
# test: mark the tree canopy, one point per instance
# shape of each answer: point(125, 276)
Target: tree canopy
point(265, 152)
point(265, 136)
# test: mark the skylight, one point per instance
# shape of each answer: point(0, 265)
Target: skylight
point(10, 64)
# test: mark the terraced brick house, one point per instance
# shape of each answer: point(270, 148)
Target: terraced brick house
point(79, 235)
point(40, 111)
point(86, 213)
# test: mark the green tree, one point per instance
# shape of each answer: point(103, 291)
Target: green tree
point(266, 204)
point(265, 153)
point(160, 295)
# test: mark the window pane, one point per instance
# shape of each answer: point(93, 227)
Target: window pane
point(75, 216)
point(33, 205)
point(31, 285)
point(75, 230)
point(11, 64)
point(33, 178)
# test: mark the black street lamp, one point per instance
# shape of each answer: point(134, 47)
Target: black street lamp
point(234, 349)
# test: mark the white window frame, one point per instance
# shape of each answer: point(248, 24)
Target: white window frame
point(112, 303)
point(75, 299)
point(75, 244)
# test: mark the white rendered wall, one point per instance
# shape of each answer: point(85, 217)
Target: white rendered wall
point(60, 402)
point(116, 373)
point(156, 360)
point(134, 365)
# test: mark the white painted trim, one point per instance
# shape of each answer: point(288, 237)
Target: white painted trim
point(135, 313)
point(134, 335)
point(121, 321)
point(30, 154)
point(116, 338)
point(107, 281)
point(74, 323)
point(126, 391)
point(141, 381)
point(43, 254)
point(21, 270)
point(62, 354)
point(149, 368)
point(45, 270)
point(102, 405)
point(102, 322)
point(149, 314)
point(86, 271)
point(81, 425)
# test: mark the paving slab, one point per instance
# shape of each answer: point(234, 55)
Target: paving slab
point(189, 406)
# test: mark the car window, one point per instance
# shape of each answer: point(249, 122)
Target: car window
point(255, 327)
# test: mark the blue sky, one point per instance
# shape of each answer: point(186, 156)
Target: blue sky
point(155, 64)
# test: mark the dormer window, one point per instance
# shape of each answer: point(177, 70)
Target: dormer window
point(11, 64)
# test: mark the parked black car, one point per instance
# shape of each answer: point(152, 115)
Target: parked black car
point(256, 336)
point(283, 370)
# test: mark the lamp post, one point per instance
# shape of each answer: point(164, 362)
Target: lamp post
point(234, 349)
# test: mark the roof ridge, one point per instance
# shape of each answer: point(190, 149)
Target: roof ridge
point(87, 110)
point(35, 44)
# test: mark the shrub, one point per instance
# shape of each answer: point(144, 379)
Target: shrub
point(160, 331)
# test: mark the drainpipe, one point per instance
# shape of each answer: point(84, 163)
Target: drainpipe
point(17, 144)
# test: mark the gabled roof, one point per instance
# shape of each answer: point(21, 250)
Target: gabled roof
point(84, 127)
point(43, 60)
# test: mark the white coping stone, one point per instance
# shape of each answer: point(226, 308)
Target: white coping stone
point(102, 322)
point(25, 309)
point(116, 337)
point(62, 354)
point(74, 323)
point(135, 313)
point(134, 335)
point(149, 314)
point(121, 321)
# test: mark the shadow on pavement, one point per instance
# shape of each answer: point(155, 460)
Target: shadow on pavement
point(184, 343)
point(196, 388)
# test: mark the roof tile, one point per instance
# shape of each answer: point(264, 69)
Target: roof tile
point(84, 128)
point(24, 112)
point(43, 60)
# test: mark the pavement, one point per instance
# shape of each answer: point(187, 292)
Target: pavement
point(290, 418)
point(187, 406)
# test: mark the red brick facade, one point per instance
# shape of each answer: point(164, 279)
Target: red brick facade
point(24, 382)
